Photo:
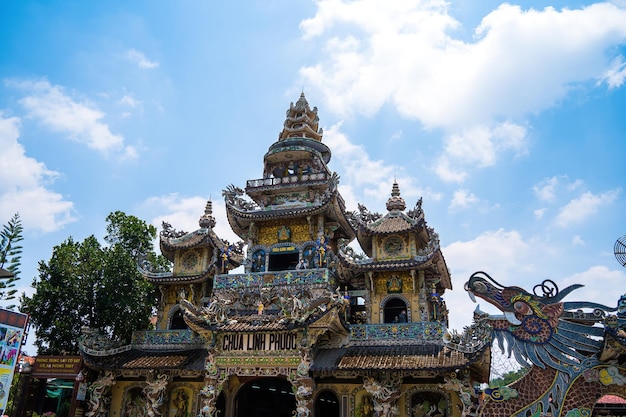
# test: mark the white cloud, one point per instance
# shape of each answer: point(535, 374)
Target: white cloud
point(405, 54)
point(596, 280)
point(581, 208)
point(578, 241)
point(615, 75)
point(129, 101)
point(446, 172)
point(23, 188)
point(545, 189)
point(502, 254)
point(573, 186)
point(140, 59)
point(183, 213)
point(539, 213)
point(60, 112)
point(498, 252)
point(478, 147)
point(373, 178)
point(463, 199)
point(521, 61)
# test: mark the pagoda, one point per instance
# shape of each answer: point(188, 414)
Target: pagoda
point(318, 311)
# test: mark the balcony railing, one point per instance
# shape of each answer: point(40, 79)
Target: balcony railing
point(167, 338)
point(419, 332)
point(291, 179)
point(273, 278)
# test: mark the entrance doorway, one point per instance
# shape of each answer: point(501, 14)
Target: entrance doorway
point(265, 397)
point(327, 405)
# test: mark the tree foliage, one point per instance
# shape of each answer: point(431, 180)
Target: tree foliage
point(509, 377)
point(87, 284)
point(10, 256)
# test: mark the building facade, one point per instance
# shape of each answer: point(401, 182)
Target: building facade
point(306, 325)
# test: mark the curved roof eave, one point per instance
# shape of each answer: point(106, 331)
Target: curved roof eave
point(170, 278)
point(239, 219)
point(412, 225)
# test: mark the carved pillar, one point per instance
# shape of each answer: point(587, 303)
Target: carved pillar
point(384, 394)
point(466, 394)
point(213, 384)
point(100, 395)
point(252, 235)
point(422, 296)
point(303, 386)
point(155, 390)
point(320, 225)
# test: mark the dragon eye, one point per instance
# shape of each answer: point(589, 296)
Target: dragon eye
point(522, 308)
point(480, 287)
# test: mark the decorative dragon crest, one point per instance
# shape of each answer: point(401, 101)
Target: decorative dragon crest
point(559, 341)
point(539, 328)
point(233, 196)
point(169, 232)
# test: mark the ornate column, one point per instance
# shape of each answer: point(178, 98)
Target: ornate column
point(384, 394)
point(303, 386)
point(100, 395)
point(213, 384)
point(155, 391)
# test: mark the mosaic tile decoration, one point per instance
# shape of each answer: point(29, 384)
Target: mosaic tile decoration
point(276, 278)
point(418, 332)
point(166, 338)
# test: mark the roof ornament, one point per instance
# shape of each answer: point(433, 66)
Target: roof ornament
point(207, 221)
point(395, 202)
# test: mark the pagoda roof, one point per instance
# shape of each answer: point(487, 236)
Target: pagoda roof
point(429, 259)
point(146, 360)
point(169, 277)
point(171, 240)
point(431, 357)
point(201, 238)
point(301, 120)
point(175, 350)
point(240, 216)
point(395, 221)
point(252, 322)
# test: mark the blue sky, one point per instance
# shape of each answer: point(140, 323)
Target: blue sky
point(507, 118)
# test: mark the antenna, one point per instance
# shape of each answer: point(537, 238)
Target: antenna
point(620, 250)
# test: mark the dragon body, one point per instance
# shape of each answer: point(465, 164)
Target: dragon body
point(574, 350)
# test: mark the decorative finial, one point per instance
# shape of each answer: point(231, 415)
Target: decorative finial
point(395, 202)
point(207, 220)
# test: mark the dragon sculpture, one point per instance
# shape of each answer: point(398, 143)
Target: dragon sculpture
point(575, 351)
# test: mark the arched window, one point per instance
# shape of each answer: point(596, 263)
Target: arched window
point(177, 322)
point(393, 311)
point(327, 404)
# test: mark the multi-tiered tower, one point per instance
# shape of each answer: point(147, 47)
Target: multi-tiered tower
point(307, 324)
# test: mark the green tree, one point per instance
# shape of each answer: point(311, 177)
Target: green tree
point(86, 284)
point(10, 256)
point(509, 377)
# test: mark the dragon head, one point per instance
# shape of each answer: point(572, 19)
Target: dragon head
point(516, 303)
point(539, 328)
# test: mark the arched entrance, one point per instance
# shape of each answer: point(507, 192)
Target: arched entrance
point(392, 310)
point(327, 405)
point(265, 397)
